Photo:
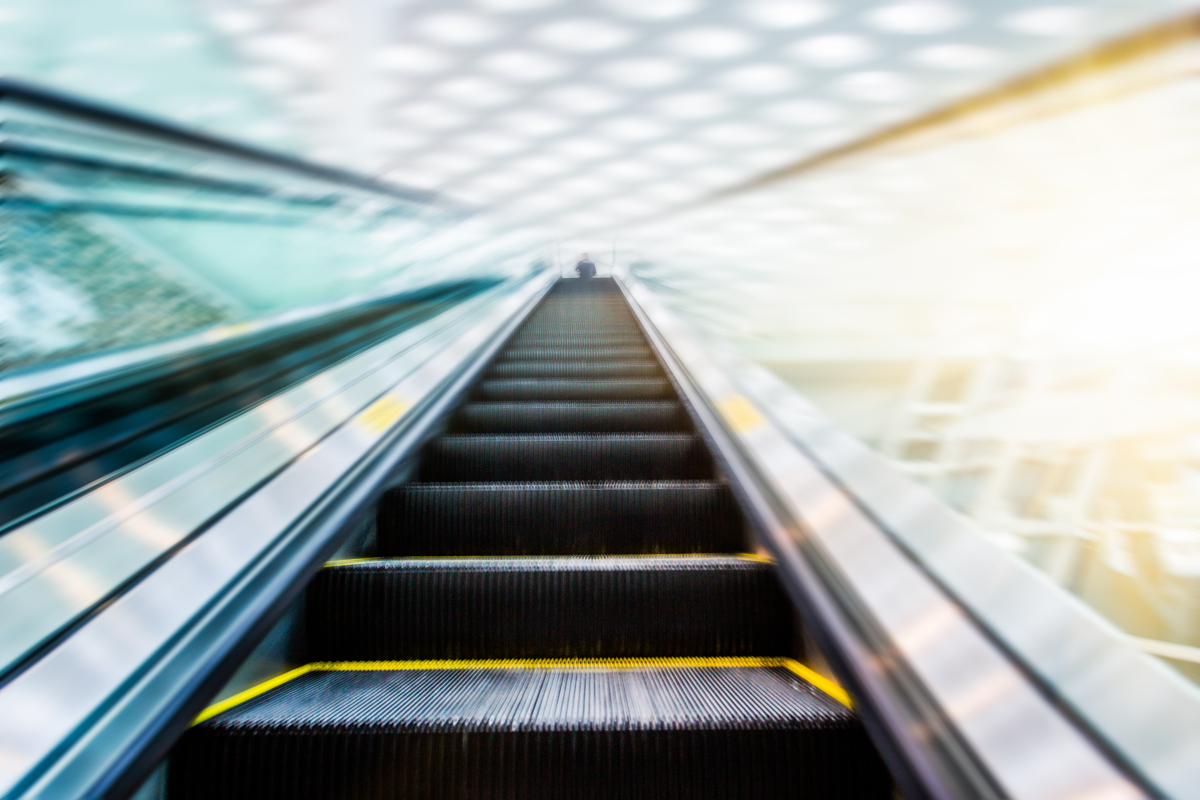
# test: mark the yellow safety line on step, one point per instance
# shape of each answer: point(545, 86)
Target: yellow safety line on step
point(341, 562)
point(609, 664)
point(820, 681)
point(251, 693)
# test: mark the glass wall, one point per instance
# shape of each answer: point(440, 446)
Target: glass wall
point(1001, 297)
point(117, 234)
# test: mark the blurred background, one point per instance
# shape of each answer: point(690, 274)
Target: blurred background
point(965, 229)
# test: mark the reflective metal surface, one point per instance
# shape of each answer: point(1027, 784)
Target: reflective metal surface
point(296, 449)
point(1026, 743)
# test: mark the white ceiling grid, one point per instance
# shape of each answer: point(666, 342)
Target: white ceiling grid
point(598, 115)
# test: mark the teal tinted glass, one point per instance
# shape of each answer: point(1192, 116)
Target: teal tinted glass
point(118, 234)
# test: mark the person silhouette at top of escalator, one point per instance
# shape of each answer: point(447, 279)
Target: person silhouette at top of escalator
point(585, 268)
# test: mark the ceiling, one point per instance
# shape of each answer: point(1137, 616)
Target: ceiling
point(596, 115)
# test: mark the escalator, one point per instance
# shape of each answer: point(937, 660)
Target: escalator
point(503, 535)
point(61, 445)
point(559, 604)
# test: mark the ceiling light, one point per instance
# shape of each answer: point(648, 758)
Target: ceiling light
point(718, 175)
point(541, 166)
point(832, 136)
point(917, 17)
point(585, 220)
point(412, 59)
point(491, 143)
point(629, 170)
point(433, 115)
point(582, 186)
point(458, 28)
point(270, 78)
point(533, 123)
point(680, 153)
point(760, 79)
point(293, 49)
point(403, 140)
point(583, 99)
point(956, 56)
point(786, 13)
point(537, 203)
point(497, 183)
point(710, 44)
point(875, 87)
point(834, 50)
point(634, 129)
point(515, 6)
point(693, 105)
point(736, 134)
point(585, 149)
point(759, 159)
point(804, 112)
point(644, 73)
point(415, 176)
point(582, 35)
point(234, 21)
point(655, 9)
point(1047, 20)
point(668, 191)
point(450, 163)
point(525, 65)
point(473, 91)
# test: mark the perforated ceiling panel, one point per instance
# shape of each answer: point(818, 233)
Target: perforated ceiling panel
point(595, 115)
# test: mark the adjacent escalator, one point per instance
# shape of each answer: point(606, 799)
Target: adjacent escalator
point(558, 606)
point(52, 452)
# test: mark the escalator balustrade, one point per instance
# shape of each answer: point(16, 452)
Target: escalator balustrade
point(558, 609)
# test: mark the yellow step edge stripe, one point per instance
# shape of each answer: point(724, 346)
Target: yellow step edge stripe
point(376, 560)
point(251, 693)
point(818, 680)
point(612, 664)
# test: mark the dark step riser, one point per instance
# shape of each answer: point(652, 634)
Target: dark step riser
point(584, 344)
point(416, 520)
point(581, 389)
point(599, 458)
point(570, 417)
point(381, 612)
point(581, 353)
point(576, 369)
point(730, 764)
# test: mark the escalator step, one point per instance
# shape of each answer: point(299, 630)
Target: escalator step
point(566, 457)
point(575, 352)
point(699, 732)
point(602, 322)
point(513, 519)
point(576, 369)
point(575, 389)
point(650, 415)
point(573, 339)
point(573, 607)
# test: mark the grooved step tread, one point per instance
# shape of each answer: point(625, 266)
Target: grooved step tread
point(546, 733)
point(582, 351)
point(564, 417)
point(575, 389)
point(566, 457)
point(558, 518)
point(576, 369)
point(571, 607)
